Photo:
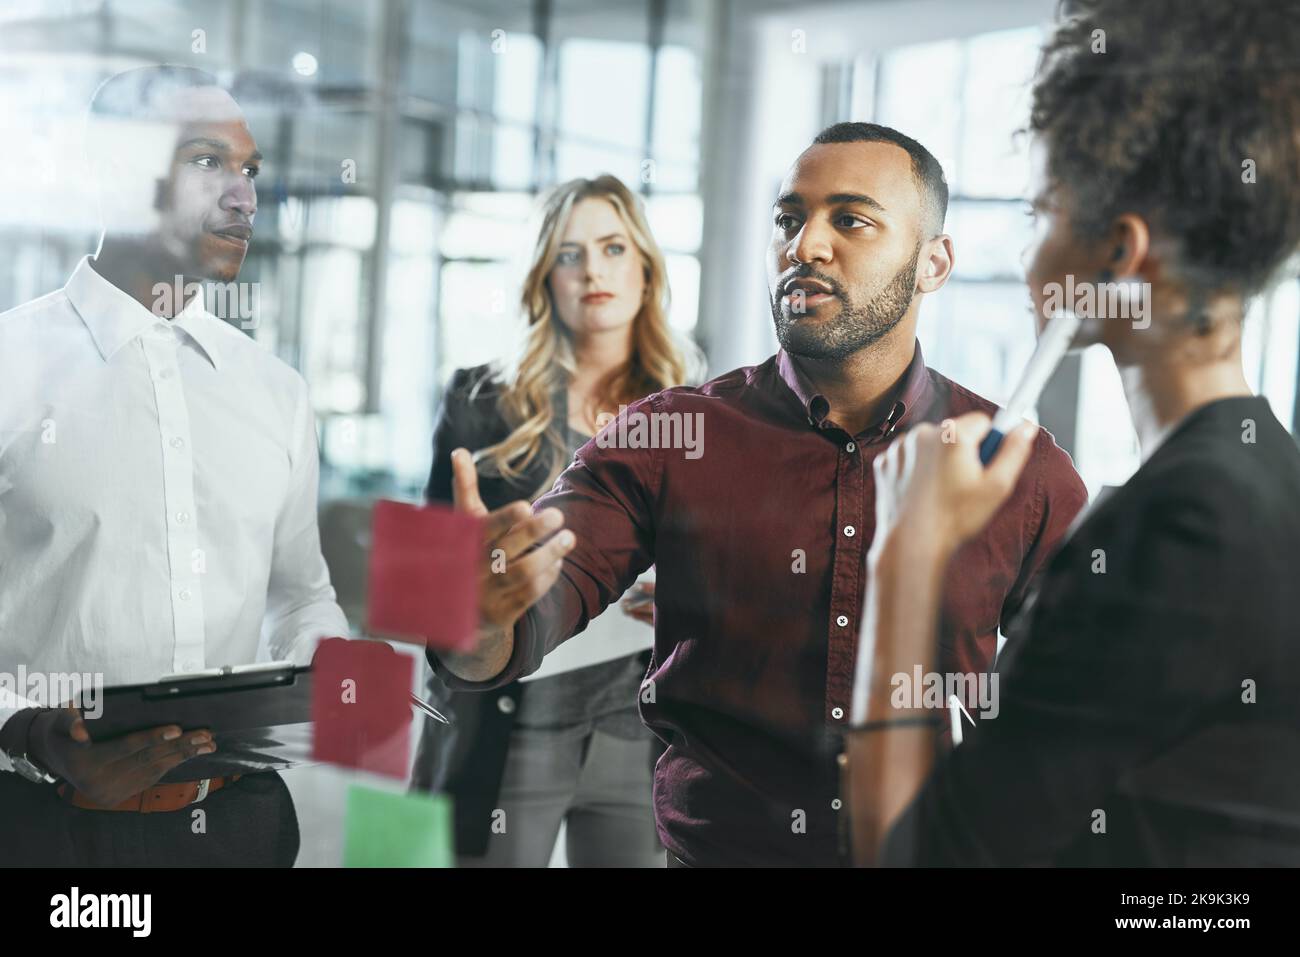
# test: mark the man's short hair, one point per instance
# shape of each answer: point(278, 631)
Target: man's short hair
point(925, 168)
point(145, 92)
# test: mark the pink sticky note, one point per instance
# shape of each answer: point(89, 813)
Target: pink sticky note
point(361, 706)
point(424, 575)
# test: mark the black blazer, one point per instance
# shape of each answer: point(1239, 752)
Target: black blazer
point(1150, 704)
point(473, 420)
point(467, 759)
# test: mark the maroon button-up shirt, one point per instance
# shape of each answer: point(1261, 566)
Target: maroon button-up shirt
point(759, 536)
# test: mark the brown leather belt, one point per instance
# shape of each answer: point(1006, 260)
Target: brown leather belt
point(160, 797)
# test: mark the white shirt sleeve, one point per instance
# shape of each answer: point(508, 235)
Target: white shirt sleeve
point(300, 602)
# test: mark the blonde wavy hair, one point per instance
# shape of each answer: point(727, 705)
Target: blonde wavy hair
point(547, 361)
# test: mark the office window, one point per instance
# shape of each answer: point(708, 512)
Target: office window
point(603, 90)
point(483, 245)
point(403, 162)
point(675, 137)
point(332, 342)
point(920, 92)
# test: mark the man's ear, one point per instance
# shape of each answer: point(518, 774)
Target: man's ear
point(934, 265)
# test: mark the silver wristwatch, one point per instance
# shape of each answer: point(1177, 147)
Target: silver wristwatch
point(30, 771)
point(24, 765)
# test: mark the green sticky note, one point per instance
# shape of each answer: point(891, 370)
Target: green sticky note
point(387, 829)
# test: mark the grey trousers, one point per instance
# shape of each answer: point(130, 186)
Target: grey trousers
point(599, 785)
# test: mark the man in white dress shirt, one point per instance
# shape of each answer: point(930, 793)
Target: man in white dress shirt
point(158, 477)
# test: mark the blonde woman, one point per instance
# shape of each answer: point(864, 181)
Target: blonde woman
point(566, 745)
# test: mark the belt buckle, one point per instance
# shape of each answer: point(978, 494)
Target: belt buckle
point(203, 790)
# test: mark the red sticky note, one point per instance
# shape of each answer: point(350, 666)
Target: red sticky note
point(424, 575)
point(361, 706)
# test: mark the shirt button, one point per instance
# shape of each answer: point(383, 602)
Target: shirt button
point(184, 594)
point(165, 374)
point(842, 621)
point(182, 518)
point(506, 704)
point(850, 531)
point(835, 804)
point(851, 447)
point(837, 713)
point(178, 443)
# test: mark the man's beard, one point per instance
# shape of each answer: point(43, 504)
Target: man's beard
point(856, 326)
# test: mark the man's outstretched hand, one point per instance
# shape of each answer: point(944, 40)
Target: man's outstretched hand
point(523, 557)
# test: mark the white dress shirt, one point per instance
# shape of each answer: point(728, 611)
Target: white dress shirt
point(157, 494)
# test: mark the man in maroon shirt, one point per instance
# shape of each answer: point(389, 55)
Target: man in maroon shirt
point(752, 495)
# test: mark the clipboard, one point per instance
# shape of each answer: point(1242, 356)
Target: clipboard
point(259, 715)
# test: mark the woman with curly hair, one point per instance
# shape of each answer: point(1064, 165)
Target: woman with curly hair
point(1149, 707)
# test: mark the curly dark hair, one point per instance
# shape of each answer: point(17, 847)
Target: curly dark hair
point(1163, 122)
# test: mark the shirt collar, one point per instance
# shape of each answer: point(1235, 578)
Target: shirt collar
point(913, 391)
point(114, 319)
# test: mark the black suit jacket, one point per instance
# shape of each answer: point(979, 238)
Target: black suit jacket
point(1150, 707)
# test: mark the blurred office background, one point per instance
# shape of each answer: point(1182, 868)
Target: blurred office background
point(406, 142)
